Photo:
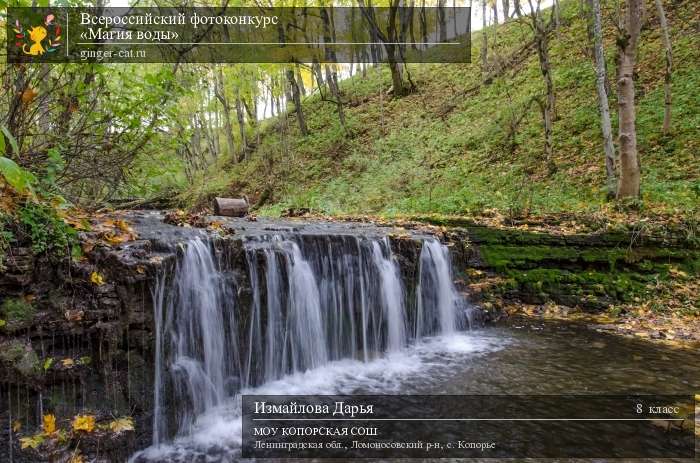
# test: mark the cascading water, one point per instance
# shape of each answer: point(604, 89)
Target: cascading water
point(437, 301)
point(195, 339)
point(301, 302)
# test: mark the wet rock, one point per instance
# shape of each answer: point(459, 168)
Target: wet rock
point(19, 360)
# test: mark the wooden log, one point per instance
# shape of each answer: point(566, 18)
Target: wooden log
point(230, 207)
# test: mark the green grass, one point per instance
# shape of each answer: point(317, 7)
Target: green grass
point(417, 155)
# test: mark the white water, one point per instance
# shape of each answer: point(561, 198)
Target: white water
point(325, 314)
point(217, 433)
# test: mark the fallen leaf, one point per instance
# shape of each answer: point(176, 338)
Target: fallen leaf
point(16, 426)
point(96, 278)
point(115, 239)
point(31, 442)
point(123, 226)
point(84, 423)
point(68, 363)
point(49, 424)
point(121, 425)
point(88, 246)
point(74, 315)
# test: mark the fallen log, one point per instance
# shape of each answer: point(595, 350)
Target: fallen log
point(231, 207)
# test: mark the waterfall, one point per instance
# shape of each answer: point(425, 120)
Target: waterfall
point(437, 300)
point(300, 302)
point(195, 338)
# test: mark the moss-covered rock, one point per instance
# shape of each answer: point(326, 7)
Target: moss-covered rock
point(16, 309)
point(592, 271)
point(19, 360)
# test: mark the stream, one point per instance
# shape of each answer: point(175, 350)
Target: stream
point(328, 309)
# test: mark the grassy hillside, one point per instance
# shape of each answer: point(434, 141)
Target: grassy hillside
point(445, 148)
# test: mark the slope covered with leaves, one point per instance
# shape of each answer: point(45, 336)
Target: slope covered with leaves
point(458, 145)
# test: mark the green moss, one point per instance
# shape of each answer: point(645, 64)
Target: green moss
point(502, 257)
point(21, 358)
point(16, 309)
point(555, 283)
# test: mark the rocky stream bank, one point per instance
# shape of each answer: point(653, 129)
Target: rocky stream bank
point(77, 336)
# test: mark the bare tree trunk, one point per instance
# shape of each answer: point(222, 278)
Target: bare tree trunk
point(296, 97)
point(517, 11)
point(300, 80)
point(484, 40)
point(241, 127)
point(506, 10)
point(541, 31)
point(627, 42)
point(332, 79)
point(542, 45)
point(548, 127)
point(454, 17)
point(669, 66)
point(219, 91)
point(603, 105)
point(423, 25)
point(442, 25)
point(316, 66)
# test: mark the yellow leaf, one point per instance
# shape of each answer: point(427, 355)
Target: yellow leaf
point(16, 426)
point(49, 424)
point(76, 458)
point(122, 225)
point(68, 363)
point(31, 442)
point(122, 424)
point(84, 423)
point(96, 278)
point(115, 239)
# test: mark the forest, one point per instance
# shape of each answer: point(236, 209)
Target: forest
point(556, 175)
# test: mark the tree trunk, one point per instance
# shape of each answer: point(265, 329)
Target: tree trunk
point(300, 80)
point(603, 105)
point(423, 25)
point(517, 11)
point(442, 25)
point(548, 126)
point(393, 52)
point(454, 18)
point(332, 79)
point(541, 30)
point(484, 40)
point(296, 97)
point(318, 74)
point(669, 66)
point(542, 45)
point(241, 127)
point(626, 61)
